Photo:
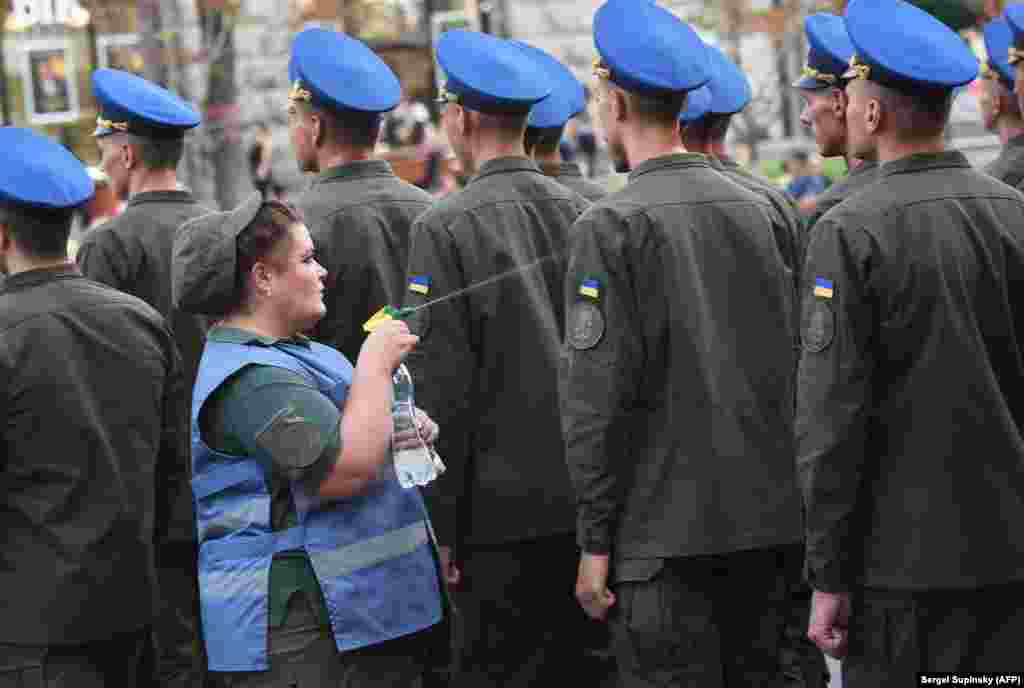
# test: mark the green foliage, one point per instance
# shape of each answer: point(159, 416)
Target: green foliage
point(772, 169)
point(834, 168)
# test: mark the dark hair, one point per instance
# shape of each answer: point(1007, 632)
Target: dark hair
point(799, 156)
point(159, 154)
point(418, 134)
point(657, 109)
point(710, 128)
point(256, 242)
point(545, 140)
point(38, 232)
point(351, 127)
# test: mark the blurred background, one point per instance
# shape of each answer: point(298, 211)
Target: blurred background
point(230, 58)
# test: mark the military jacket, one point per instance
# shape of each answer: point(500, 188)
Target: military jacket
point(861, 176)
point(95, 429)
point(486, 365)
point(1009, 166)
point(359, 216)
point(911, 385)
point(678, 372)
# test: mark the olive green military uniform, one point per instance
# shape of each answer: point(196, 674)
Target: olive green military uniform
point(677, 386)
point(911, 403)
point(359, 216)
point(485, 369)
point(132, 253)
point(568, 174)
point(859, 177)
point(1009, 166)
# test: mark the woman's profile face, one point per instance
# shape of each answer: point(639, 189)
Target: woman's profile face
point(298, 290)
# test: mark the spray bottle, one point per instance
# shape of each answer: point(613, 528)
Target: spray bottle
point(415, 466)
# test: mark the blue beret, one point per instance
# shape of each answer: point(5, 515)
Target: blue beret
point(1014, 15)
point(730, 90)
point(40, 173)
point(998, 39)
point(829, 52)
point(648, 50)
point(698, 104)
point(490, 74)
point(332, 70)
point(568, 97)
point(903, 47)
point(128, 103)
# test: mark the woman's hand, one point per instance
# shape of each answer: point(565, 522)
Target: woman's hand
point(426, 432)
point(386, 346)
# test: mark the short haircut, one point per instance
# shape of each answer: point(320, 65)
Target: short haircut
point(799, 156)
point(258, 240)
point(544, 140)
point(38, 232)
point(657, 109)
point(158, 154)
point(915, 115)
point(349, 127)
point(710, 128)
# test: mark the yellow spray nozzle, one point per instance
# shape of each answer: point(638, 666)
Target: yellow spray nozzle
point(384, 314)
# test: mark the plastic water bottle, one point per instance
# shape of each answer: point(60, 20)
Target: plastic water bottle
point(416, 466)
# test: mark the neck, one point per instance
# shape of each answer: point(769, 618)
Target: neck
point(1009, 129)
point(17, 263)
point(489, 148)
point(145, 181)
point(892, 147)
point(643, 143)
point(550, 158)
point(336, 156)
point(259, 324)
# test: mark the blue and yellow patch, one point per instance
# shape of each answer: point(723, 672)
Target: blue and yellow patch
point(590, 287)
point(420, 284)
point(823, 287)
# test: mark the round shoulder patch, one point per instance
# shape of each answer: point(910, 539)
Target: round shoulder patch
point(819, 325)
point(585, 325)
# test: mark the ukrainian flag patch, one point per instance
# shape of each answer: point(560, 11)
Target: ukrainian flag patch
point(420, 284)
point(823, 287)
point(590, 287)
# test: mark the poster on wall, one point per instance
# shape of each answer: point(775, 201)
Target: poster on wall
point(51, 90)
point(121, 51)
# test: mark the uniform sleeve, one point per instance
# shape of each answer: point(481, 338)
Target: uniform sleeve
point(599, 370)
point(173, 469)
point(833, 399)
point(102, 257)
point(443, 365)
point(289, 426)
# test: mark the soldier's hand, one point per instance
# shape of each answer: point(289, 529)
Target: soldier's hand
point(426, 432)
point(592, 586)
point(449, 570)
point(386, 346)
point(830, 619)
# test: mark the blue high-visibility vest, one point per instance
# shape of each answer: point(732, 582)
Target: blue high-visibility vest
point(372, 553)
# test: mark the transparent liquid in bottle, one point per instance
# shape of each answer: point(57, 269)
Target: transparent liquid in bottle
point(415, 466)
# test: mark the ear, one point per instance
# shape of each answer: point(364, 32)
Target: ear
point(6, 241)
point(463, 120)
point(839, 103)
point(875, 113)
point(317, 129)
point(128, 157)
point(619, 105)
point(261, 279)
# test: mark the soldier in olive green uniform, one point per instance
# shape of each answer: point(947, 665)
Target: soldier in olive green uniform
point(357, 210)
point(140, 133)
point(911, 386)
point(1000, 111)
point(546, 126)
point(486, 370)
point(677, 385)
point(822, 88)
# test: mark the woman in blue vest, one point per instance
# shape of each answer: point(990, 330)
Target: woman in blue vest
point(316, 567)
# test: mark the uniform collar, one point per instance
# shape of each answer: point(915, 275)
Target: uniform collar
point(1016, 142)
point(176, 196)
point(511, 163)
point(236, 335)
point(668, 162)
point(33, 278)
point(560, 169)
point(357, 169)
point(925, 161)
